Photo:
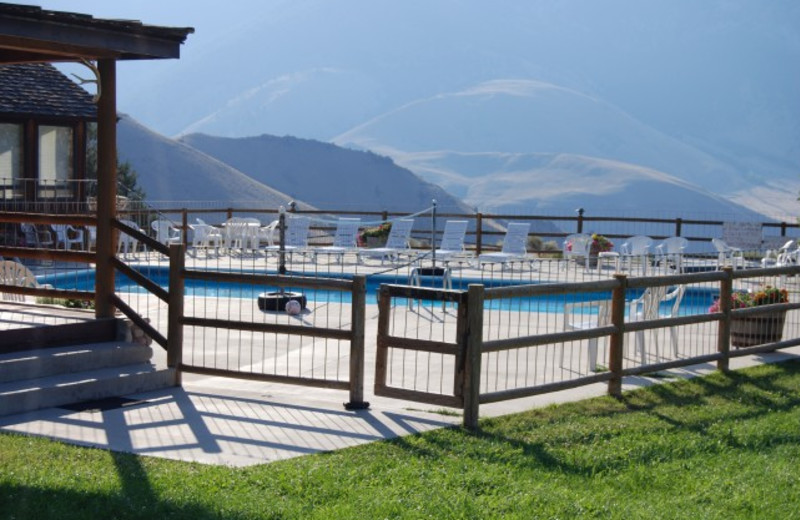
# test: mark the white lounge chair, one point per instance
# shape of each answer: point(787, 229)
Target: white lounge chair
point(514, 245)
point(296, 236)
point(669, 253)
point(397, 243)
point(452, 244)
point(345, 239)
point(728, 255)
point(647, 307)
point(636, 248)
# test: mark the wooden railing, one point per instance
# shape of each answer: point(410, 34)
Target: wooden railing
point(485, 226)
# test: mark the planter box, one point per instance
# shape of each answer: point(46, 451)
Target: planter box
point(757, 330)
point(122, 203)
point(373, 242)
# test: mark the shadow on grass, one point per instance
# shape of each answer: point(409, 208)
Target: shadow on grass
point(134, 499)
point(652, 425)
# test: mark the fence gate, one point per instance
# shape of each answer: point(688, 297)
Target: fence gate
point(421, 345)
point(323, 348)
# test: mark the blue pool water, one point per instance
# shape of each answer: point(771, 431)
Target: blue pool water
point(695, 301)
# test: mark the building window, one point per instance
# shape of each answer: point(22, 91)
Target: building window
point(10, 160)
point(55, 161)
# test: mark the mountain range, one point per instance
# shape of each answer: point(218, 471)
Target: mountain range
point(670, 105)
point(267, 172)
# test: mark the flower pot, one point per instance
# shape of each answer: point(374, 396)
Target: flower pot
point(594, 252)
point(748, 331)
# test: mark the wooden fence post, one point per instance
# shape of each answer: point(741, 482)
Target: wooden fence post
point(381, 352)
point(358, 315)
point(618, 337)
point(175, 310)
point(724, 334)
point(282, 240)
point(185, 228)
point(478, 233)
point(472, 357)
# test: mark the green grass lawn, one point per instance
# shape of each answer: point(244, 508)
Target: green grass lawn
point(724, 446)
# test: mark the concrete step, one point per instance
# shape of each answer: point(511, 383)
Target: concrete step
point(17, 366)
point(70, 388)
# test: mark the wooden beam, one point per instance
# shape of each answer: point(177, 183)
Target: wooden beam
point(92, 39)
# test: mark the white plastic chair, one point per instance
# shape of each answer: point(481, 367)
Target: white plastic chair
point(787, 255)
point(452, 244)
point(647, 307)
point(514, 245)
point(636, 248)
point(728, 255)
point(37, 236)
point(577, 246)
point(205, 235)
point(166, 231)
point(67, 235)
point(669, 253)
point(345, 239)
point(17, 275)
point(584, 316)
point(92, 244)
point(397, 243)
point(267, 233)
point(126, 243)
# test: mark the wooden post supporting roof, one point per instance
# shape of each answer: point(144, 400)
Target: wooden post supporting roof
point(30, 34)
point(106, 187)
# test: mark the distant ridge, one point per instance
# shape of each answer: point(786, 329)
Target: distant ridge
point(325, 175)
point(171, 171)
point(589, 153)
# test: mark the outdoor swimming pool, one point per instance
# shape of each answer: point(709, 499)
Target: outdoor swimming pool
point(695, 301)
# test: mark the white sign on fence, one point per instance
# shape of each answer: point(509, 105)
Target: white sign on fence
point(745, 235)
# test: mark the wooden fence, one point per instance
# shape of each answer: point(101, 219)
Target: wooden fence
point(468, 348)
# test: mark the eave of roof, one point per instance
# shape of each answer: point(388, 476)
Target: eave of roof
point(30, 34)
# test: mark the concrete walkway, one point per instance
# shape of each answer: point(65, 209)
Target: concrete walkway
point(242, 423)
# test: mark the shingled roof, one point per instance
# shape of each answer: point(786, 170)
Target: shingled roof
point(42, 90)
